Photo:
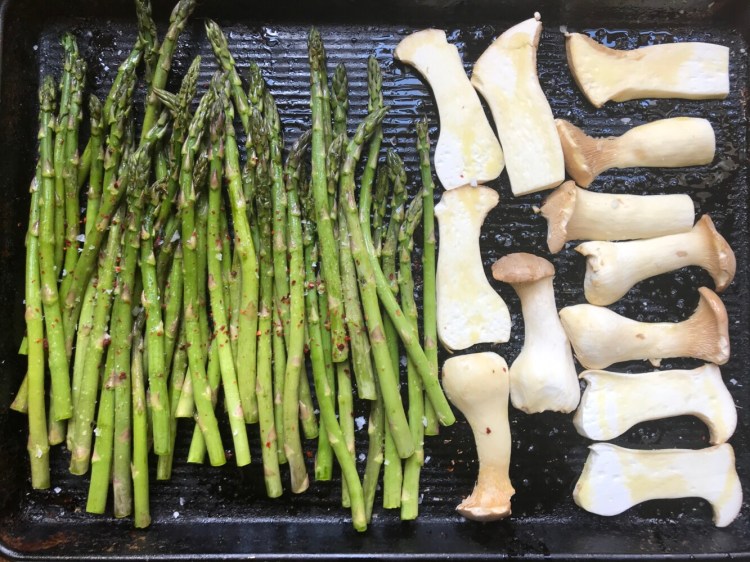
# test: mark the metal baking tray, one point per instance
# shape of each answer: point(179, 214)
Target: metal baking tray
point(222, 513)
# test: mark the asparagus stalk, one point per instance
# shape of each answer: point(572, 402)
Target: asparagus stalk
point(94, 194)
point(355, 322)
point(197, 451)
point(279, 372)
point(147, 36)
point(331, 273)
point(296, 342)
point(180, 124)
point(247, 321)
point(393, 472)
point(37, 444)
point(151, 300)
point(216, 290)
point(413, 465)
point(177, 21)
point(120, 347)
point(323, 389)
point(70, 166)
point(142, 512)
point(429, 297)
point(339, 99)
point(177, 380)
point(66, 86)
point(264, 382)
point(201, 391)
point(220, 48)
point(20, 403)
point(100, 338)
point(382, 185)
point(74, 284)
point(376, 421)
point(386, 377)
point(346, 417)
point(172, 291)
point(58, 360)
point(101, 459)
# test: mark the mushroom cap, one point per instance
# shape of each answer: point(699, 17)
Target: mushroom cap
point(724, 265)
point(557, 209)
point(522, 268)
point(579, 151)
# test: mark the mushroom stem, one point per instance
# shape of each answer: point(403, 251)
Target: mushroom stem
point(612, 268)
point(601, 337)
point(467, 151)
point(675, 70)
point(614, 479)
point(543, 376)
point(469, 311)
point(573, 213)
point(614, 402)
point(666, 143)
point(477, 384)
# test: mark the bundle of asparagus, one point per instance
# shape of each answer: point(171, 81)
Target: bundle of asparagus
point(167, 299)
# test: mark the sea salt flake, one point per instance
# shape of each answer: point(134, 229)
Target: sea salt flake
point(360, 421)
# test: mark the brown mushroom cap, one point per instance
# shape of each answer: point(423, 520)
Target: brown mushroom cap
point(557, 209)
point(522, 268)
point(724, 265)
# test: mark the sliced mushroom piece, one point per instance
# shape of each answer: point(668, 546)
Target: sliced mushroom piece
point(469, 311)
point(675, 70)
point(615, 479)
point(612, 268)
point(477, 384)
point(666, 143)
point(573, 213)
point(543, 376)
point(467, 151)
point(506, 77)
point(612, 403)
point(601, 337)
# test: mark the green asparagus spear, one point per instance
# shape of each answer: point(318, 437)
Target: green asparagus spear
point(37, 445)
point(323, 389)
point(58, 360)
point(179, 372)
point(142, 512)
point(339, 99)
point(264, 382)
point(413, 465)
point(216, 290)
point(94, 194)
point(324, 218)
point(177, 21)
point(386, 377)
point(429, 318)
point(147, 36)
point(296, 342)
point(100, 338)
point(201, 391)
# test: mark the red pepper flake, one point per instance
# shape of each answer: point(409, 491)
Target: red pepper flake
point(268, 444)
point(308, 454)
point(488, 431)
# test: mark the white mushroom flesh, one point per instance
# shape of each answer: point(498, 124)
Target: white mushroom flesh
point(675, 70)
point(467, 151)
point(614, 479)
point(477, 384)
point(573, 213)
point(506, 77)
point(601, 337)
point(612, 403)
point(666, 143)
point(469, 311)
point(612, 268)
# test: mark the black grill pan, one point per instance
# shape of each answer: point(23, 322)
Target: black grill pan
point(221, 513)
